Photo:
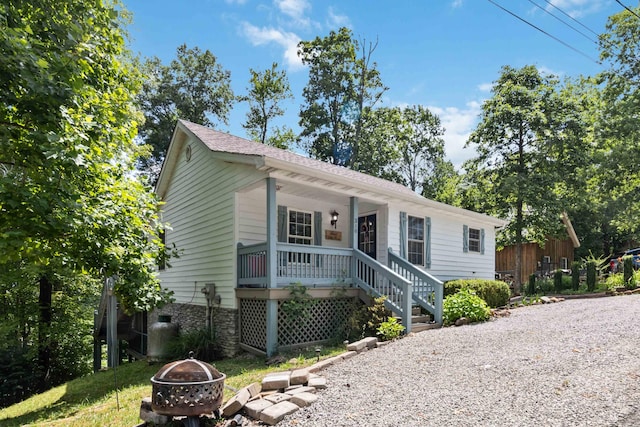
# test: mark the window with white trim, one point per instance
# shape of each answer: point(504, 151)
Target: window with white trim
point(415, 240)
point(300, 232)
point(474, 240)
point(564, 263)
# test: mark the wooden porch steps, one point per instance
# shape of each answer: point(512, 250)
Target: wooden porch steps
point(420, 322)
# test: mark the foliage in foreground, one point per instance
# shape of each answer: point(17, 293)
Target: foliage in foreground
point(92, 400)
point(390, 329)
point(465, 303)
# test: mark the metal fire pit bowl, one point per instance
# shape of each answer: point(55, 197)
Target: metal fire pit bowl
point(187, 388)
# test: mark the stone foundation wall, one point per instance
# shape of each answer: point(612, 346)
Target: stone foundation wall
point(191, 317)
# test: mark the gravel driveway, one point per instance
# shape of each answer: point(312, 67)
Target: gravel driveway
point(574, 363)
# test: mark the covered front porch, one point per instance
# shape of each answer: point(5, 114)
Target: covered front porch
point(333, 275)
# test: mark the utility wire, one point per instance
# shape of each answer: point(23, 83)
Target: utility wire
point(625, 6)
point(564, 22)
point(570, 17)
point(544, 32)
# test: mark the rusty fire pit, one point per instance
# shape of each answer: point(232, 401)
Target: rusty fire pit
point(188, 388)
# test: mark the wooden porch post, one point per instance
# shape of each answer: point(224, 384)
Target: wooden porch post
point(272, 265)
point(353, 233)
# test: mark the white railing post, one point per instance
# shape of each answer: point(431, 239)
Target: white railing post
point(407, 297)
point(439, 297)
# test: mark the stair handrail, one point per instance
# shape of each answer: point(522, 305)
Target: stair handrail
point(399, 300)
point(430, 296)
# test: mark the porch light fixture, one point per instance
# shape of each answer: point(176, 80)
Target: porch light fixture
point(334, 218)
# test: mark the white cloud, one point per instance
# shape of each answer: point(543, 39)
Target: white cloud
point(485, 87)
point(235, 1)
point(266, 35)
point(456, 4)
point(577, 8)
point(458, 124)
point(336, 20)
point(295, 9)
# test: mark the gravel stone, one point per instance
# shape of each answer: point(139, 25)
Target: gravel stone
point(574, 363)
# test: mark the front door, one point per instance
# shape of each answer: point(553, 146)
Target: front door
point(367, 234)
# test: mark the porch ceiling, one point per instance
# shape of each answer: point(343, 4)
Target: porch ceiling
point(317, 188)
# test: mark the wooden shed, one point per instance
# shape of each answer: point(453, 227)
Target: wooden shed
point(557, 253)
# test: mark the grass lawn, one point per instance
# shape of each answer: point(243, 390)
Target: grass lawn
point(92, 400)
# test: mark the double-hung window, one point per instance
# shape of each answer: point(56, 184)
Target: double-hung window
point(415, 252)
point(300, 233)
point(474, 240)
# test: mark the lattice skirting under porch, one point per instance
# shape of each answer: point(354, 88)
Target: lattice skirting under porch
point(322, 322)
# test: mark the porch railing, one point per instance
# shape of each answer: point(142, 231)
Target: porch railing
point(305, 264)
point(428, 292)
point(380, 280)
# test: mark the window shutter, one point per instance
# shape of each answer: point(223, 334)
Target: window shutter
point(427, 242)
point(465, 238)
point(317, 228)
point(482, 241)
point(403, 235)
point(282, 224)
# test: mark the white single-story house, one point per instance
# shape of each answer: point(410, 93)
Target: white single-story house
point(251, 219)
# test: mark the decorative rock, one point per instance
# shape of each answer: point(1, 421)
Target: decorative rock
point(356, 346)
point(319, 383)
point(370, 342)
point(323, 364)
point(148, 416)
point(278, 397)
point(255, 408)
point(274, 414)
point(254, 389)
point(299, 377)
point(275, 360)
point(276, 381)
point(462, 321)
point(304, 399)
point(304, 389)
point(348, 355)
point(236, 403)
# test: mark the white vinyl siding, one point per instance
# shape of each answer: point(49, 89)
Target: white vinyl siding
point(200, 208)
point(448, 261)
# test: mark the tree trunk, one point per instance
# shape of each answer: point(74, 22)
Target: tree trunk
point(44, 331)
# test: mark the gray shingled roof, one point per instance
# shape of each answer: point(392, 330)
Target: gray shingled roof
point(225, 143)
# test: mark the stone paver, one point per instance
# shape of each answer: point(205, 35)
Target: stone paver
point(299, 376)
point(278, 397)
point(255, 408)
point(304, 399)
point(274, 414)
point(303, 389)
point(276, 381)
point(236, 403)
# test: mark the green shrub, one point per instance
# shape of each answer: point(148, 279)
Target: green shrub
point(366, 319)
point(466, 304)
point(614, 281)
point(557, 281)
point(390, 329)
point(627, 264)
point(494, 292)
point(591, 275)
point(201, 342)
point(575, 275)
point(531, 288)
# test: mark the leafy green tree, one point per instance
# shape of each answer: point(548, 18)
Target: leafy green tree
point(193, 87)
point(619, 130)
point(443, 183)
point(527, 135)
point(70, 204)
point(420, 145)
point(341, 85)
point(268, 89)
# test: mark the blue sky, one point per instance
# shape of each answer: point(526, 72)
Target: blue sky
point(443, 54)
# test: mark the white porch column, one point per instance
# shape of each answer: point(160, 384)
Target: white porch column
point(272, 265)
point(353, 234)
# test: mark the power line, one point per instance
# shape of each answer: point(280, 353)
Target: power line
point(570, 17)
point(565, 23)
point(625, 6)
point(544, 32)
